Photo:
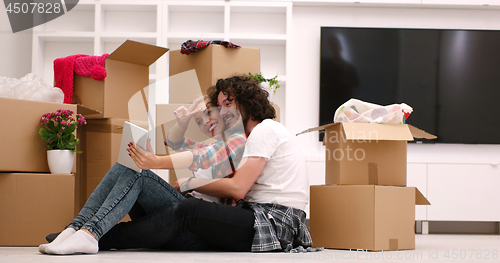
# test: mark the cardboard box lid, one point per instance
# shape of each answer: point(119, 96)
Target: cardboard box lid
point(420, 198)
point(366, 131)
point(86, 111)
point(137, 53)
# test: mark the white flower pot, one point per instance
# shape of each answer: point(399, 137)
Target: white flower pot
point(60, 161)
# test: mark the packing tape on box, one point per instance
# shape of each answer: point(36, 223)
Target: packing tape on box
point(105, 128)
point(393, 244)
point(372, 174)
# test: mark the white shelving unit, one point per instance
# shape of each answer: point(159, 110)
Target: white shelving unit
point(96, 27)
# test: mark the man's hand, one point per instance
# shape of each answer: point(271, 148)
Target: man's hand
point(144, 159)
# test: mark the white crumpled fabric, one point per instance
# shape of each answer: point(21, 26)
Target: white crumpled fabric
point(30, 87)
point(355, 110)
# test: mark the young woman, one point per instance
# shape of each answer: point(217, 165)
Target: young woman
point(123, 190)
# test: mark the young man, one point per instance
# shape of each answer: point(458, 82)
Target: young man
point(271, 182)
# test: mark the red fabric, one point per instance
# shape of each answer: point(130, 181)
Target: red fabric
point(83, 65)
point(91, 66)
point(63, 76)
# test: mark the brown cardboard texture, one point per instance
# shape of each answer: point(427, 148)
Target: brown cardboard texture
point(367, 153)
point(127, 71)
point(33, 206)
point(25, 150)
point(212, 63)
point(184, 87)
point(364, 217)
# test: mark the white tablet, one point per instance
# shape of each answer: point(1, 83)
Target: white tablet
point(131, 133)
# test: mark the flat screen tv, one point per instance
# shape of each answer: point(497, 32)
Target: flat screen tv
point(451, 78)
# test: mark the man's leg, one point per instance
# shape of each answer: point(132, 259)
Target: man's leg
point(223, 227)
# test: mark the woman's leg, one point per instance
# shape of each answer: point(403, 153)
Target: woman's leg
point(224, 227)
point(94, 202)
point(145, 188)
point(96, 199)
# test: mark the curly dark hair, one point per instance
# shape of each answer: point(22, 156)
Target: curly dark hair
point(250, 98)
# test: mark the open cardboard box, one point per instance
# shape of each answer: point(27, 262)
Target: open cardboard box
point(127, 71)
point(367, 153)
point(24, 149)
point(367, 217)
point(34, 205)
point(210, 64)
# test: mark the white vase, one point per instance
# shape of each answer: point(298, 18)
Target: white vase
point(60, 161)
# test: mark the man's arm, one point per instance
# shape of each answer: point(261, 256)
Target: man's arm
point(236, 187)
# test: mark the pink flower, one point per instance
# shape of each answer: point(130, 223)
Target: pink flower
point(58, 134)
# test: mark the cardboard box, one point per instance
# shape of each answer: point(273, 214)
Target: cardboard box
point(210, 64)
point(33, 206)
point(127, 71)
point(24, 149)
point(367, 153)
point(364, 217)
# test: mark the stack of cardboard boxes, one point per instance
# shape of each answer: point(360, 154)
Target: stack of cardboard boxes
point(33, 202)
point(365, 204)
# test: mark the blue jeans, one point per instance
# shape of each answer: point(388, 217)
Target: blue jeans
point(121, 189)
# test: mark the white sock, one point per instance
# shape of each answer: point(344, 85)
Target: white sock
point(58, 240)
point(79, 242)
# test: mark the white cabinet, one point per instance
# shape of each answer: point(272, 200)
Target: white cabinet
point(463, 192)
point(416, 175)
point(461, 2)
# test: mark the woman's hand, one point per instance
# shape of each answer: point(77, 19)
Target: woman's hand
point(144, 159)
point(183, 114)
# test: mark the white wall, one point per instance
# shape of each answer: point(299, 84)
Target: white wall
point(15, 49)
point(302, 95)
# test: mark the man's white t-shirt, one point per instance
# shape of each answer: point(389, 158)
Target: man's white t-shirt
point(284, 178)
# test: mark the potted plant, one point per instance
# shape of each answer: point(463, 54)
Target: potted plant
point(58, 132)
point(272, 82)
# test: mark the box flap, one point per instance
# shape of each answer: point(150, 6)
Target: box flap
point(375, 131)
point(137, 53)
point(420, 198)
point(317, 128)
point(418, 133)
point(85, 111)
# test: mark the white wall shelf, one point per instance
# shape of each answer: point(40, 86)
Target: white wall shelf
point(95, 27)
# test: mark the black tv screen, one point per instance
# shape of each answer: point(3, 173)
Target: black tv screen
point(451, 78)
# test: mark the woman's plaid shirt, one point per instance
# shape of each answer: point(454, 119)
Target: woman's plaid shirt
point(215, 155)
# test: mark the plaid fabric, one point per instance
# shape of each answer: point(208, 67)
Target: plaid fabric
point(191, 46)
point(278, 227)
point(214, 155)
